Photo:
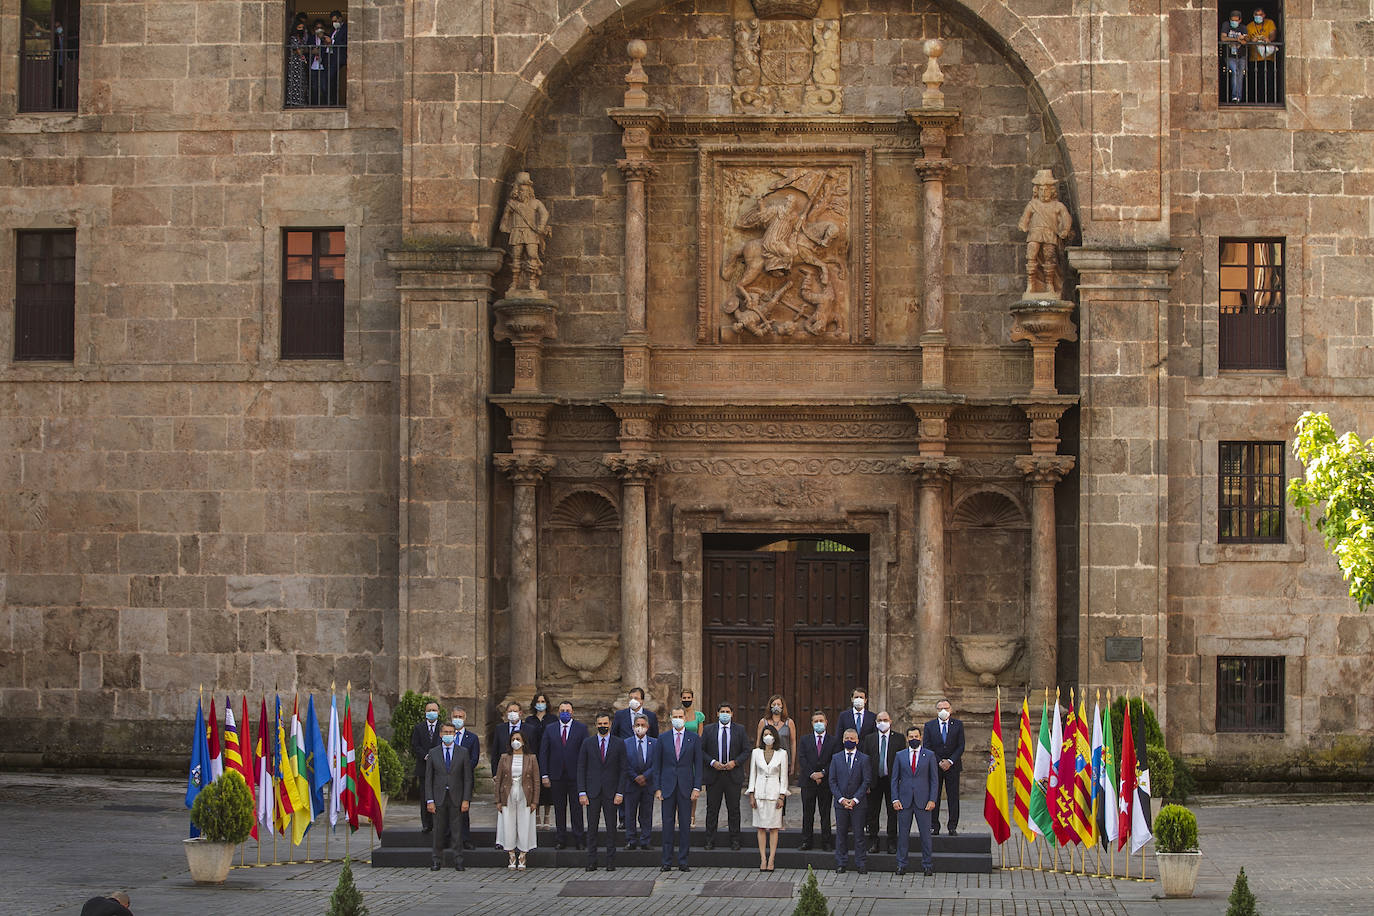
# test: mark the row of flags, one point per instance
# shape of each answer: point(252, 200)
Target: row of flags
point(1069, 788)
point(292, 771)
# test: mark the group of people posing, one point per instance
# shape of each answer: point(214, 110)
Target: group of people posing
point(316, 61)
point(620, 768)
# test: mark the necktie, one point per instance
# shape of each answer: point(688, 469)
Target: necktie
point(944, 731)
point(565, 734)
point(603, 750)
point(641, 748)
point(678, 739)
point(882, 755)
point(851, 760)
point(724, 737)
point(818, 747)
point(913, 763)
point(448, 759)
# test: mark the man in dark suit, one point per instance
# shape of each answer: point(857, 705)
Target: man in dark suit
point(726, 750)
point(423, 738)
point(881, 748)
point(558, 751)
point(623, 725)
point(857, 716)
point(813, 763)
point(677, 784)
point(602, 775)
point(512, 725)
point(448, 792)
point(945, 738)
point(466, 739)
point(639, 789)
point(914, 789)
point(849, 776)
point(116, 904)
point(336, 57)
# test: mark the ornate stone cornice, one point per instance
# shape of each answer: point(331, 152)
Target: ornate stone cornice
point(523, 468)
point(934, 169)
point(525, 320)
point(637, 169)
point(1044, 469)
point(650, 119)
point(638, 421)
point(529, 419)
point(633, 467)
point(931, 470)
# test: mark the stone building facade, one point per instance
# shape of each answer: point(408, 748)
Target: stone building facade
point(778, 415)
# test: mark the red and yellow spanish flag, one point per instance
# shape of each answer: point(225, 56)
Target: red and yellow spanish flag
point(1024, 775)
point(995, 796)
point(370, 785)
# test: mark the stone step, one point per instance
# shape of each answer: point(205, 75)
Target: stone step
point(964, 843)
point(745, 859)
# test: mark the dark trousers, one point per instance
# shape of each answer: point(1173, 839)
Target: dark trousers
point(814, 796)
point(726, 789)
point(565, 797)
point(448, 822)
point(678, 805)
point(849, 823)
point(949, 788)
point(599, 809)
point(426, 819)
point(880, 800)
point(904, 817)
point(639, 813)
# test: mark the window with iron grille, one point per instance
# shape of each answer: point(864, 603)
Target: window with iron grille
point(48, 55)
point(1250, 56)
point(316, 56)
point(45, 294)
point(1251, 320)
point(1250, 693)
point(1250, 481)
point(312, 309)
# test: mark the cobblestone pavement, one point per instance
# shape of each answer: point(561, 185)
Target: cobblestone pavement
point(67, 838)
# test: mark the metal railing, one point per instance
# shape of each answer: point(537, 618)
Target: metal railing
point(43, 325)
point(48, 79)
point(315, 76)
point(1250, 74)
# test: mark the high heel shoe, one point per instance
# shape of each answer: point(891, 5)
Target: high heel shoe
point(511, 863)
point(520, 863)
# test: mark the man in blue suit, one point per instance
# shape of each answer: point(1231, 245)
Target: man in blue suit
point(945, 738)
point(623, 725)
point(848, 777)
point(639, 794)
point(467, 739)
point(601, 780)
point(858, 717)
point(677, 784)
point(915, 787)
point(558, 751)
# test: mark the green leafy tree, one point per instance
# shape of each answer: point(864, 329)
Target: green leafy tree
point(1338, 471)
point(811, 902)
point(346, 900)
point(1241, 902)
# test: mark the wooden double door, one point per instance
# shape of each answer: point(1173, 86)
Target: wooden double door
point(787, 621)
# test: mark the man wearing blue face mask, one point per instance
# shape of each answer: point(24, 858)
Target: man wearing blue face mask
point(813, 763)
point(447, 794)
point(466, 739)
point(849, 776)
point(915, 785)
point(424, 737)
point(727, 757)
point(558, 750)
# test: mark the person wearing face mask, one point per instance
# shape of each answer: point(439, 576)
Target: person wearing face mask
point(677, 785)
point(558, 751)
point(695, 718)
point(602, 779)
point(448, 792)
point(639, 788)
point(813, 762)
point(466, 739)
point(541, 717)
point(517, 797)
point(857, 716)
point(726, 750)
point(622, 726)
point(776, 716)
point(767, 791)
point(1260, 35)
point(318, 40)
point(297, 40)
point(424, 737)
point(509, 728)
point(336, 59)
point(881, 747)
point(1233, 38)
point(945, 738)
point(915, 786)
point(849, 777)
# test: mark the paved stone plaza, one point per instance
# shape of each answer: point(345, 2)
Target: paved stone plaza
point(69, 838)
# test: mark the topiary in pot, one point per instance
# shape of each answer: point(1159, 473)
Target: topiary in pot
point(1176, 850)
point(223, 812)
point(1242, 901)
point(811, 902)
point(346, 900)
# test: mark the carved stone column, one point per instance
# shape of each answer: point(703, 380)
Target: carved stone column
point(525, 472)
point(635, 471)
point(932, 618)
point(1044, 323)
point(1042, 631)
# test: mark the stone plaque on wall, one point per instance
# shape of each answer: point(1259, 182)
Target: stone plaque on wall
point(785, 244)
point(1125, 649)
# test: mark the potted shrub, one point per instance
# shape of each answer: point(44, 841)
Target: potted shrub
point(223, 812)
point(1176, 850)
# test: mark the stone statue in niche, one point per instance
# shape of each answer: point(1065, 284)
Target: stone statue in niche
point(526, 221)
point(785, 264)
point(1047, 225)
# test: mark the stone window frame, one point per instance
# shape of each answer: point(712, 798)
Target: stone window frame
point(1210, 550)
point(27, 369)
point(1245, 707)
point(269, 346)
point(1252, 228)
point(1293, 649)
point(352, 87)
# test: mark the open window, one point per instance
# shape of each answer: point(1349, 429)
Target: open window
point(315, 58)
point(1250, 48)
point(48, 54)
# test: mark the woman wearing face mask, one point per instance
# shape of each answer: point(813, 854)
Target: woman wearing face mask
point(296, 42)
point(767, 792)
point(517, 796)
point(776, 716)
point(540, 718)
point(318, 41)
point(695, 719)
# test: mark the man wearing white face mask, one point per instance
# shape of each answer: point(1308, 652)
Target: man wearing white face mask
point(622, 726)
point(512, 724)
point(944, 736)
point(857, 716)
point(466, 739)
point(677, 784)
point(881, 747)
point(447, 792)
point(727, 754)
point(639, 794)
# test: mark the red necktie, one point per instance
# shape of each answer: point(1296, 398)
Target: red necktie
point(565, 734)
point(913, 763)
point(603, 750)
point(818, 746)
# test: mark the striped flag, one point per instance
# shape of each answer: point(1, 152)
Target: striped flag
point(267, 789)
point(289, 797)
point(302, 813)
point(1041, 820)
point(1062, 783)
point(349, 793)
point(1083, 775)
point(1125, 804)
point(1024, 775)
point(1108, 809)
point(250, 762)
point(995, 795)
point(233, 753)
point(370, 785)
point(334, 750)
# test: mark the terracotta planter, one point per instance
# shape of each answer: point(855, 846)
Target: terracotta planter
point(1178, 872)
point(209, 862)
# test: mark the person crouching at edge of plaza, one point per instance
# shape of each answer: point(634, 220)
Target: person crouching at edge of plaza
point(767, 791)
point(116, 904)
point(448, 792)
point(517, 799)
point(915, 786)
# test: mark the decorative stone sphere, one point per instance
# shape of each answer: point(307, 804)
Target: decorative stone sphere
point(934, 47)
point(636, 49)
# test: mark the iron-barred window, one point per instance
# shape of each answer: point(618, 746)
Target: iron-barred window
point(315, 65)
point(1251, 332)
point(45, 294)
point(312, 313)
point(1251, 480)
point(1250, 51)
point(48, 54)
point(1250, 693)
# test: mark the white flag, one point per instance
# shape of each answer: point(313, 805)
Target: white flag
point(335, 767)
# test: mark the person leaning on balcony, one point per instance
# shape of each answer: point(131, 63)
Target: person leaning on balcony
point(1260, 34)
point(1233, 38)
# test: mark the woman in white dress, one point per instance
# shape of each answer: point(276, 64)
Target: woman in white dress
point(517, 797)
point(767, 791)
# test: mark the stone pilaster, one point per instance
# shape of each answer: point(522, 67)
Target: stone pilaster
point(444, 490)
point(1043, 324)
point(525, 472)
point(635, 471)
point(932, 615)
point(1042, 632)
point(527, 323)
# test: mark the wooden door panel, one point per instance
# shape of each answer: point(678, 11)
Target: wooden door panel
point(740, 673)
point(741, 590)
point(826, 669)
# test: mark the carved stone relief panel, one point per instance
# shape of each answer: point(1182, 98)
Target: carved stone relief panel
point(785, 244)
point(787, 66)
